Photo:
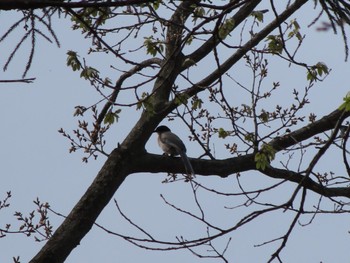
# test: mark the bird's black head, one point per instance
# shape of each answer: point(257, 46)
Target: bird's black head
point(161, 129)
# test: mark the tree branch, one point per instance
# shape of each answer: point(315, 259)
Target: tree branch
point(324, 124)
point(216, 74)
point(38, 4)
point(84, 214)
point(27, 80)
point(223, 168)
point(212, 42)
point(306, 182)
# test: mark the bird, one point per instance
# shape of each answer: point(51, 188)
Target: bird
point(172, 145)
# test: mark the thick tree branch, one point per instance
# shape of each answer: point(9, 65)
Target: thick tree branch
point(213, 41)
point(159, 163)
point(118, 86)
point(38, 4)
point(307, 182)
point(216, 74)
point(324, 124)
point(82, 217)
point(223, 168)
point(173, 56)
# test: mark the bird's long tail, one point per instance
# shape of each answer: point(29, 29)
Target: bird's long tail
point(187, 164)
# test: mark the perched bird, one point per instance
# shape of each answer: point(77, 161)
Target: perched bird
point(172, 145)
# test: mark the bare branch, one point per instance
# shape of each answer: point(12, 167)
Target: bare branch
point(29, 80)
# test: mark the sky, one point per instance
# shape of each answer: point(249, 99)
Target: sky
point(35, 162)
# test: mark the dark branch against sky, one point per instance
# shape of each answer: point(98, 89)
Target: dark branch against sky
point(35, 4)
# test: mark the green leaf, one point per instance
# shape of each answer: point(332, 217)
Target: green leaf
point(317, 71)
point(109, 118)
point(116, 114)
point(222, 133)
point(89, 73)
point(226, 28)
point(311, 75)
point(260, 161)
point(143, 98)
point(346, 104)
point(197, 13)
point(181, 98)
point(189, 40)
point(264, 156)
point(156, 4)
point(269, 151)
point(275, 44)
point(197, 104)
point(153, 46)
point(146, 103)
point(322, 68)
point(258, 15)
point(188, 63)
point(249, 137)
point(295, 30)
point(73, 61)
point(264, 116)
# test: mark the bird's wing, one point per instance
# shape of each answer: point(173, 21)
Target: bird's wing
point(174, 141)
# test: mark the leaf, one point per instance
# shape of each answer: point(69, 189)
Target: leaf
point(296, 30)
point(226, 28)
point(199, 11)
point(311, 75)
point(317, 70)
point(107, 82)
point(322, 68)
point(258, 15)
point(197, 104)
point(181, 98)
point(153, 46)
point(73, 61)
point(89, 72)
point(346, 104)
point(260, 161)
point(189, 40)
point(264, 156)
point(156, 4)
point(109, 118)
point(222, 133)
point(140, 102)
point(146, 103)
point(116, 114)
point(188, 63)
point(264, 116)
point(249, 137)
point(275, 44)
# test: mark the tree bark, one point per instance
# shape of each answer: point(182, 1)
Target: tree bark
point(38, 4)
point(82, 217)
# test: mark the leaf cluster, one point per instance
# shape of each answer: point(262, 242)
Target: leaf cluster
point(264, 156)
